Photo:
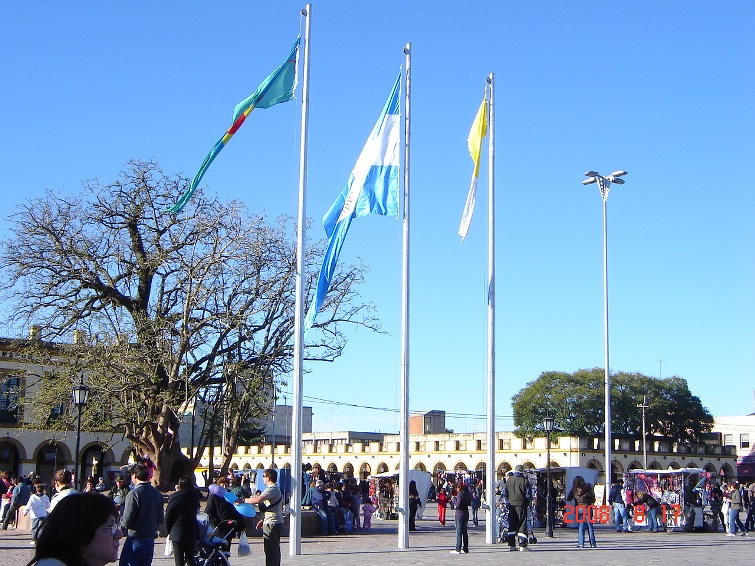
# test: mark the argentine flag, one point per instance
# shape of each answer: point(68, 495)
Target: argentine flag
point(372, 188)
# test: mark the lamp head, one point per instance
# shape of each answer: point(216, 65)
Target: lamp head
point(589, 181)
point(592, 174)
point(618, 173)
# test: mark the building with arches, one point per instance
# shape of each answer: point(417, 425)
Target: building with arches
point(360, 455)
point(25, 450)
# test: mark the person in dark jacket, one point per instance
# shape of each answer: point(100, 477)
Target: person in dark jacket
point(518, 493)
point(414, 505)
point(181, 521)
point(219, 509)
point(644, 498)
point(583, 495)
point(462, 500)
point(142, 515)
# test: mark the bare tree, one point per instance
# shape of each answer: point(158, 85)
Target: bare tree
point(171, 305)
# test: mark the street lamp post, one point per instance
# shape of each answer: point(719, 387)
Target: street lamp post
point(644, 406)
point(604, 184)
point(80, 397)
point(548, 426)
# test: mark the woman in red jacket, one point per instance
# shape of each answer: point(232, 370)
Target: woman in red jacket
point(442, 499)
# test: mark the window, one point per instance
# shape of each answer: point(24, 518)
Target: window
point(728, 440)
point(9, 399)
point(744, 440)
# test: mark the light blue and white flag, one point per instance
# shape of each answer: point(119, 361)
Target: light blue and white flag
point(372, 188)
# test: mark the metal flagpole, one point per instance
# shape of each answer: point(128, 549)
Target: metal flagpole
point(403, 474)
point(294, 540)
point(490, 468)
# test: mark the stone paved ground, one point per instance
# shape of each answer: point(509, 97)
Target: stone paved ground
point(431, 544)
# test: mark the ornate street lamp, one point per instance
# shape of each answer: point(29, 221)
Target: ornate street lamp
point(80, 398)
point(548, 427)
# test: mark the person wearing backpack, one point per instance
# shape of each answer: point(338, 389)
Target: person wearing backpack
point(462, 500)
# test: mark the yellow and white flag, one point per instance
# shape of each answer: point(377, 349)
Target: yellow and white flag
point(474, 141)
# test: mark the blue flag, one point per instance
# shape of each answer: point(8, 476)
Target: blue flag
point(372, 188)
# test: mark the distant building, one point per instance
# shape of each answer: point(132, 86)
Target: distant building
point(432, 422)
point(361, 454)
point(739, 433)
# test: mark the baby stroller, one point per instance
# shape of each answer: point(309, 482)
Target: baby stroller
point(214, 547)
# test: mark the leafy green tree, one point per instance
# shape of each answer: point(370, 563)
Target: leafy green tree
point(577, 403)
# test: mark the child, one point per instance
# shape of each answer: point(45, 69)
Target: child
point(38, 505)
point(368, 509)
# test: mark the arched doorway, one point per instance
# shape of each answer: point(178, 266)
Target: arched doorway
point(365, 471)
point(10, 459)
point(51, 457)
point(96, 461)
point(348, 470)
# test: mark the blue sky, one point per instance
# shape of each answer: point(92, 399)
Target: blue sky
point(664, 90)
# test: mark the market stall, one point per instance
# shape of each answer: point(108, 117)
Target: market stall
point(562, 479)
point(682, 494)
point(384, 490)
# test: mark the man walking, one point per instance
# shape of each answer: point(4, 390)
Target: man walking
point(518, 491)
point(270, 503)
point(142, 513)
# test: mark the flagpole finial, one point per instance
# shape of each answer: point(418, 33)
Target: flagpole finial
point(407, 48)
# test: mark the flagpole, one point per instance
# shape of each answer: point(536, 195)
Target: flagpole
point(403, 477)
point(294, 540)
point(490, 469)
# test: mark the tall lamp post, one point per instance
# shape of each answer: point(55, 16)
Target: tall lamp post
point(548, 426)
point(604, 184)
point(80, 397)
point(644, 406)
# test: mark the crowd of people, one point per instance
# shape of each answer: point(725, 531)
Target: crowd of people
point(133, 508)
point(728, 501)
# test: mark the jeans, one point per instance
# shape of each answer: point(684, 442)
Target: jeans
point(653, 523)
point(621, 517)
point(10, 514)
point(36, 526)
point(750, 519)
point(137, 552)
point(462, 536)
point(271, 542)
point(734, 522)
point(582, 520)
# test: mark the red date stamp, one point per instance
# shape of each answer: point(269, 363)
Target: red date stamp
point(601, 514)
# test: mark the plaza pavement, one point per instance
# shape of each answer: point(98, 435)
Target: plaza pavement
point(431, 544)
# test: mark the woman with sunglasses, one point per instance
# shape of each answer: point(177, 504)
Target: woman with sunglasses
point(82, 530)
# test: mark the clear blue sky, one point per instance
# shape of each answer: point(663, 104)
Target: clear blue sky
point(664, 90)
